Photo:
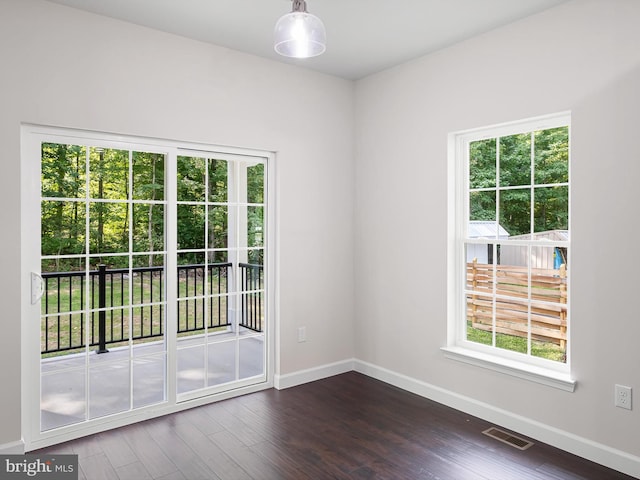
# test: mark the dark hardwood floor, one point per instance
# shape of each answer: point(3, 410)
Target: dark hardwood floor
point(348, 426)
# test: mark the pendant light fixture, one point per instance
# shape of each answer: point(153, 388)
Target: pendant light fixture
point(299, 34)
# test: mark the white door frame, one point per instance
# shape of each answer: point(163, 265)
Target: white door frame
point(31, 138)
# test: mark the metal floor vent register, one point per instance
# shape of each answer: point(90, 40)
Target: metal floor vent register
point(504, 437)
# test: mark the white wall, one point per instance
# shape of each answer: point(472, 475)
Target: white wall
point(63, 67)
point(583, 56)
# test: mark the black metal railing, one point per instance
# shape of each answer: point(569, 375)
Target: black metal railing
point(192, 297)
point(110, 294)
point(251, 299)
point(110, 290)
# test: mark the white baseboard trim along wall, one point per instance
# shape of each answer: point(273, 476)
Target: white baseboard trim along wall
point(13, 448)
point(312, 374)
point(594, 451)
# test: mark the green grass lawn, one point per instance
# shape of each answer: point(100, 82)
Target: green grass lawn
point(547, 350)
point(68, 299)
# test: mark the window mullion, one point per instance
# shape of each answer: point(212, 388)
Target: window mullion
point(171, 269)
point(130, 309)
point(205, 283)
point(533, 230)
point(495, 257)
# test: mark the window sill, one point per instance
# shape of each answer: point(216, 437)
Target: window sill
point(525, 371)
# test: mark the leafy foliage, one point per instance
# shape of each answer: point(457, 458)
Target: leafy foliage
point(527, 172)
point(112, 201)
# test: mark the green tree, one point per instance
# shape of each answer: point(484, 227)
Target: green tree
point(62, 188)
point(512, 170)
point(124, 192)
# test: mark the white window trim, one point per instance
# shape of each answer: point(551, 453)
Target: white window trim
point(542, 371)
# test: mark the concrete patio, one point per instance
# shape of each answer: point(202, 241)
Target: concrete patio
point(79, 387)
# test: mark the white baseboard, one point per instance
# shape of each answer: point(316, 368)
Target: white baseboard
point(13, 448)
point(594, 451)
point(312, 374)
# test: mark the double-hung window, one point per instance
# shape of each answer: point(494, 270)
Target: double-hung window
point(509, 256)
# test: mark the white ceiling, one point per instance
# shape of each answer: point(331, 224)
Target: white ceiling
point(363, 36)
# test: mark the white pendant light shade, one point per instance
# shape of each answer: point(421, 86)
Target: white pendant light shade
point(299, 34)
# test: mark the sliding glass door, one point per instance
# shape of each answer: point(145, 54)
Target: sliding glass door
point(102, 313)
point(148, 274)
point(220, 252)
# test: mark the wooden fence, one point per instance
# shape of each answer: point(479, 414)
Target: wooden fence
point(548, 321)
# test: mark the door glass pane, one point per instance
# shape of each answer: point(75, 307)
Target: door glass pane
point(252, 307)
point(64, 301)
point(191, 176)
point(63, 170)
point(232, 219)
point(109, 383)
point(108, 227)
point(256, 256)
point(101, 302)
point(63, 292)
point(251, 356)
point(190, 274)
point(149, 374)
point(222, 365)
point(255, 183)
point(217, 232)
point(191, 316)
point(190, 367)
point(63, 383)
point(148, 176)
point(63, 228)
point(116, 328)
point(255, 226)
point(218, 182)
point(148, 227)
point(202, 225)
point(191, 227)
point(108, 174)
